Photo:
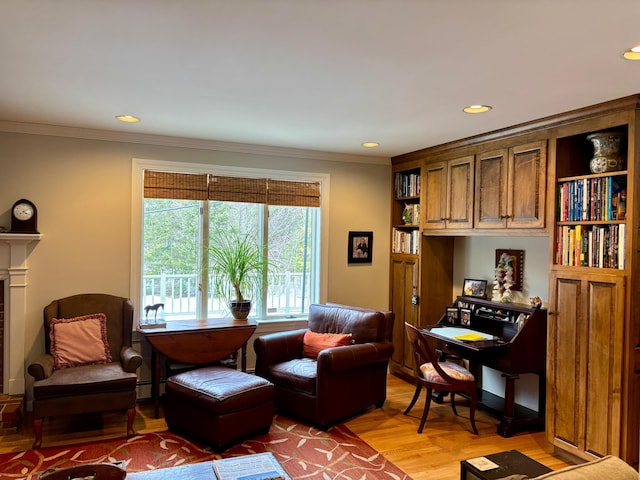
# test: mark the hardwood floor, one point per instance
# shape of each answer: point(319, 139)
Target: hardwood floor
point(436, 453)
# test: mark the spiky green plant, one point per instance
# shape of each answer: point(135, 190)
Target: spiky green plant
point(237, 264)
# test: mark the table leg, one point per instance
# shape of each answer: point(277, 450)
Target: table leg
point(243, 360)
point(506, 425)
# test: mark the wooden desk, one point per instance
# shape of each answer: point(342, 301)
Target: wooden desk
point(517, 345)
point(197, 342)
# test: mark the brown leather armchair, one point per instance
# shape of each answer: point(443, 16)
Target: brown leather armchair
point(343, 380)
point(87, 388)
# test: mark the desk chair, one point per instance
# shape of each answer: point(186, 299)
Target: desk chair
point(439, 376)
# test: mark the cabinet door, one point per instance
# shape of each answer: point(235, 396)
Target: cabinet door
point(584, 369)
point(404, 278)
point(435, 198)
point(527, 186)
point(460, 193)
point(491, 192)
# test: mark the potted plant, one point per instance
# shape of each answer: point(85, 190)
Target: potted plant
point(238, 265)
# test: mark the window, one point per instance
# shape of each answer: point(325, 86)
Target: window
point(183, 213)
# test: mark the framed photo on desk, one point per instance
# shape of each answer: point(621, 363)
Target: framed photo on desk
point(474, 288)
point(452, 316)
point(465, 317)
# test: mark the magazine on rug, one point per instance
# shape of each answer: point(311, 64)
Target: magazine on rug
point(259, 466)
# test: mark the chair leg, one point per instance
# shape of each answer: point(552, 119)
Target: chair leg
point(427, 404)
point(414, 399)
point(453, 403)
point(131, 415)
point(37, 430)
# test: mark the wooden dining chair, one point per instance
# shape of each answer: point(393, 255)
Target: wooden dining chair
point(441, 376)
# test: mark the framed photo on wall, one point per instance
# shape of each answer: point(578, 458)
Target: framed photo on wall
point(360, 247)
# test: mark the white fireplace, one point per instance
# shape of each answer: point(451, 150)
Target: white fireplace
point(13, 270)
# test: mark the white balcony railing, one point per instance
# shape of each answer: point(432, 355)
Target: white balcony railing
point(179, 294)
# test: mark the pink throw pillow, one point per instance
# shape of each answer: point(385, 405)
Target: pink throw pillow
point(79, 341)
point(313, 343)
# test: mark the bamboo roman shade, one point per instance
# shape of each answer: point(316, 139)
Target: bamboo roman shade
point(186, 186)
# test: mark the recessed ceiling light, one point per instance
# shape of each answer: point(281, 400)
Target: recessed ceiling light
point(476, 109)
point(128, 118)
point(632, 53)
point(370, 144)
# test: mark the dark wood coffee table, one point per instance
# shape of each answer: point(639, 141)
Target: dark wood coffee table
point(510, 462)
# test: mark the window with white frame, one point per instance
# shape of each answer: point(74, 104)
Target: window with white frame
point(183, 214)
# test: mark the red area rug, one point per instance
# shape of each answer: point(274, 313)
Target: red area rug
point(303, 451)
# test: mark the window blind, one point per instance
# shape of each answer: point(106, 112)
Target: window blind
point(181, 186)
point(186, 186)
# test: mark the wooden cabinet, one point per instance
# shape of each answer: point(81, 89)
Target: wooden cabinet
point(585, 364)
point(449, 194)
point(404, 285)
point(510, 187)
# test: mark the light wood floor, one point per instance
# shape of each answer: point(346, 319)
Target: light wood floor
point(436, 453)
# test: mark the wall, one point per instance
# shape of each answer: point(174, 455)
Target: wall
point(475, 258)
point(82, 189)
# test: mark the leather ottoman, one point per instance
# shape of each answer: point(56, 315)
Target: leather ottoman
point(219, 405)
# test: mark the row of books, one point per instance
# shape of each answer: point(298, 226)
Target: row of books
point(407, 184)
point(599, 246)
point(592, 199)
point(405, 241)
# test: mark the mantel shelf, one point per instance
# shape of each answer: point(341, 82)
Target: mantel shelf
point(20, 237)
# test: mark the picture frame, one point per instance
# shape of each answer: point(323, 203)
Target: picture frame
point(518, 266)
point(360, 247)
point(474, 288)
point(452, 316)
point(465, 317)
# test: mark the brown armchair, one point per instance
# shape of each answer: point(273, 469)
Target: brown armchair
point(93, 387)
point(343, 380)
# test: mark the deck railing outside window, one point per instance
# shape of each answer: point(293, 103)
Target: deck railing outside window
point(178, 294)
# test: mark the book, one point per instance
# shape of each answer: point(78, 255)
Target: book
point(471, 337)
point(259, 466)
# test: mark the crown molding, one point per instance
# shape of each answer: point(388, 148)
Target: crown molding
point(182, 142)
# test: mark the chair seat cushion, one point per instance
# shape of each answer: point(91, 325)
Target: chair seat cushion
point(86, 379)
point(297, 374)
point(455, 371)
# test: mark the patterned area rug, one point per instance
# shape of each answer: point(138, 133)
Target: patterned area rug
point(304, 452)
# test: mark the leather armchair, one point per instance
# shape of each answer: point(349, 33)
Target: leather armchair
point(343, 380)
point(87, 388)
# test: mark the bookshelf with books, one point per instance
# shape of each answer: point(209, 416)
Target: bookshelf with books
point(592, 390)
point(591, 223)
point(406, 212)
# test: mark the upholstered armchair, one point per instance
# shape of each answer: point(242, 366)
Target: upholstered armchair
point(89, 364)
point(320, 382)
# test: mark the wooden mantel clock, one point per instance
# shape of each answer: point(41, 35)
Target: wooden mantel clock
point(24, 217)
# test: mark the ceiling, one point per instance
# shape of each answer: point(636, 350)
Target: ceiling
point(321, 75)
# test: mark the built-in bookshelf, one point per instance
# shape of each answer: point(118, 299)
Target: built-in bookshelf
point(406, 216)
point(591, 210)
